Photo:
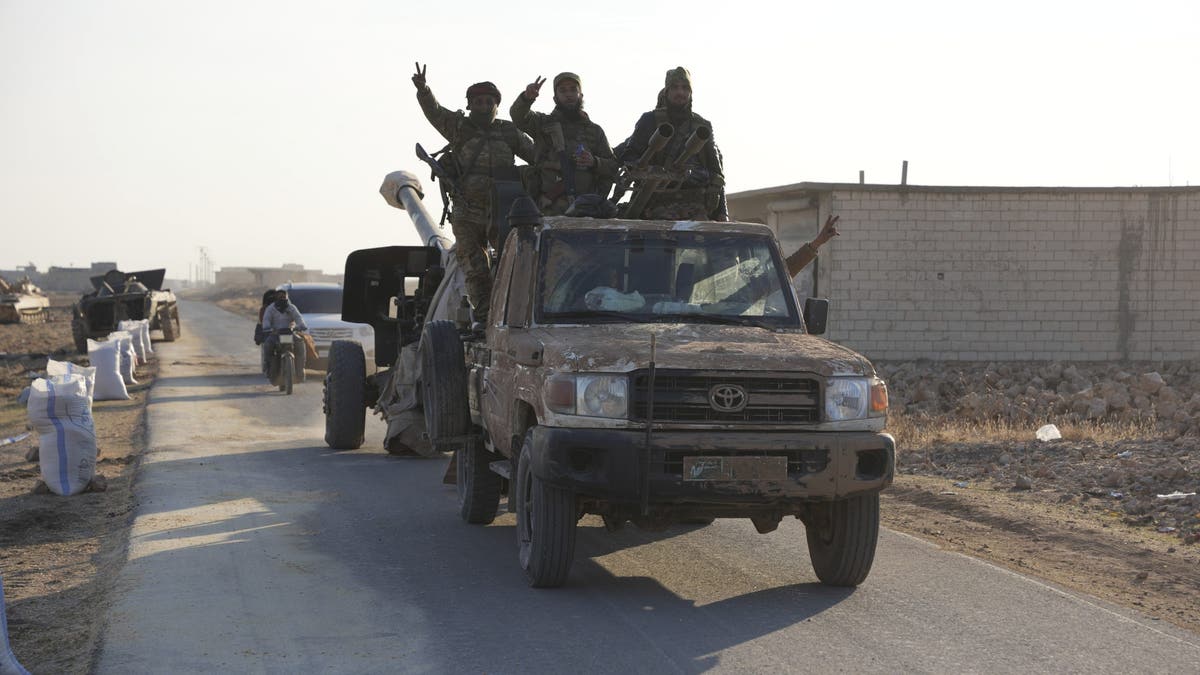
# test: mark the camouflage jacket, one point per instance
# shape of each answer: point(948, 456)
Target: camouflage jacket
point(575, 133)
point(480, 155)
point(708, 175)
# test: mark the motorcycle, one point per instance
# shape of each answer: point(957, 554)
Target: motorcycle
point(282, 368)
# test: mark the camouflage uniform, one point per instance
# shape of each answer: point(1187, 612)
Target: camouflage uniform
point(480, 155)
point(702, 196)
point(546, 184)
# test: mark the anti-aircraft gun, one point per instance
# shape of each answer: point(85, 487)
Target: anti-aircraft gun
point(23, 302)
point(395, 289)
point(117, 296)
point(647, 179)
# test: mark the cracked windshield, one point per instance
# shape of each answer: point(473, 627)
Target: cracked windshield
point(599, 276)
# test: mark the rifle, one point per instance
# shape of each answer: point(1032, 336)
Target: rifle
point(566, 163)
point(440, 176)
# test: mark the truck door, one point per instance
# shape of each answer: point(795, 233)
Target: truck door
point(508, 337)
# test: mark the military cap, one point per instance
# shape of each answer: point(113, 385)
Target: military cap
point(566, 75)
point(480, 88)
point(679, 74)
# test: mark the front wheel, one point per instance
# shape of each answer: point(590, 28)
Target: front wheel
point(287, 371)
point(546, 522)
point(841, 539)
point(478, 486)
point(345, 396)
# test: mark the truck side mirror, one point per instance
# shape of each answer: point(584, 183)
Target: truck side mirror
point(816, 314)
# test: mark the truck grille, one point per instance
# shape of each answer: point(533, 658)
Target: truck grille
point(324, 334)
point(683, 396)
point(799, 462)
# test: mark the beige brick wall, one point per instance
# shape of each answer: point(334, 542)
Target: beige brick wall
point(1004, 273)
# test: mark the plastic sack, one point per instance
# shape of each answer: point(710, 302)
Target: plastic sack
point(67, 368)
point(127, 352)
point(60, 411)
point(8, 660)
point(107, 361)
point(1048, 432)
point(145, 328)
point(134, 328)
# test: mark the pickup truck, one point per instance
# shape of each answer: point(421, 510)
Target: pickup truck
point(653, 372)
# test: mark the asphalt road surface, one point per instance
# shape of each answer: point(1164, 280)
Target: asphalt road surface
point(257, 549)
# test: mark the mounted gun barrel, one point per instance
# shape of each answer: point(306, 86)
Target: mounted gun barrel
point(695, 143)
point(402, 190)
point(658, 141)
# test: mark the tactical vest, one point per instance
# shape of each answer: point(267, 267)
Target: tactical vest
point(481, 156)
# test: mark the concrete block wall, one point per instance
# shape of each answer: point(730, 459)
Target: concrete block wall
point(1014, 274)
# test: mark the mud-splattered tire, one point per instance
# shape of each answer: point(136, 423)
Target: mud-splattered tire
point(443, 384)
point(79, 335)
point(841, 539)
point(546, 521)
point(178, 327)
point(167, 325)
point(345, 396)
point(478, 486)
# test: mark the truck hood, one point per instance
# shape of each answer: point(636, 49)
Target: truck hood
point(625, 347)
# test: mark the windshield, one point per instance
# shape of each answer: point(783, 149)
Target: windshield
point(317, 300)
point(639, 277)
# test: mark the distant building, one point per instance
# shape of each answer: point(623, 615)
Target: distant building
point(269, 277)
point(998, 273)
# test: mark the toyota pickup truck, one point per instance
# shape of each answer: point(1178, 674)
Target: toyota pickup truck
point(652, 372)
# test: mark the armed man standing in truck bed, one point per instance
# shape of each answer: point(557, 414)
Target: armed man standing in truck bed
point(483, 150)
point(702, 195)
point(573, 154)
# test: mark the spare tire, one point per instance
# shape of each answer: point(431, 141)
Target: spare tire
point(345, 396)
point(444, 385)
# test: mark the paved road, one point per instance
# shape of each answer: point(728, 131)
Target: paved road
point(257, 549)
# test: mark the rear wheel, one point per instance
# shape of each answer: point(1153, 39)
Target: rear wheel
point(841, 539)
point(167, 325)
point(79, 334)
point(478, 486)
point(287, 371)
point(444, 384)
point(345, 396)
point(546, 522)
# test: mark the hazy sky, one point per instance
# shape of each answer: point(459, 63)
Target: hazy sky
point(140, 131)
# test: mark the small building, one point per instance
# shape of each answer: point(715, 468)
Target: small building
point(270, 277)
point(998, 273)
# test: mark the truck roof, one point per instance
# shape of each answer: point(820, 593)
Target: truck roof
point(570, 223)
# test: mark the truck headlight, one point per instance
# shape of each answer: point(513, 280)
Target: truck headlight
point(854, 398)
point(590, 395)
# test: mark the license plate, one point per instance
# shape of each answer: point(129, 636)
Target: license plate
point(734, 468)
point(285, 339)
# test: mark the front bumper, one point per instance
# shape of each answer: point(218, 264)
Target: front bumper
point(609, 464)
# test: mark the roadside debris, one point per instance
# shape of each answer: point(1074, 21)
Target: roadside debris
point(1175, 496)
point(1048, 432)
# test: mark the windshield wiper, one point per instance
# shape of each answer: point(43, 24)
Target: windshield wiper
point(600, 316)
point(723, 319)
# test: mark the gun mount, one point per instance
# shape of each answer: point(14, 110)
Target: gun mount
point(647, 179)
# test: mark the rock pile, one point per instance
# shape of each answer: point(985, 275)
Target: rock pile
point(1164, 395)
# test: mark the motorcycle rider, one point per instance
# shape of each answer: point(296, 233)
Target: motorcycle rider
point(281, 315)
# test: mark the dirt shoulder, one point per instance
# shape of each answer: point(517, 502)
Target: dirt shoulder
point(59, 555)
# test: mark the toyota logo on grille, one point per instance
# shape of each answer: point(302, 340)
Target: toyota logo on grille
point(727, 398)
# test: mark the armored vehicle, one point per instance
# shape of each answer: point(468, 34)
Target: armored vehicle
point(23, 302)
point(118, 296)
point(652, 372)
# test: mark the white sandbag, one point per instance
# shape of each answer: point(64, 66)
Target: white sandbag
point(8, 661)
point(128, 354)
point(61, 413)
point(107, 361)
point(134, 328)
point(145, 328)
point(67, 368)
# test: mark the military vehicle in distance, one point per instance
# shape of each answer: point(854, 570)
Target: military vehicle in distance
point(23, 302)
point(118, 296)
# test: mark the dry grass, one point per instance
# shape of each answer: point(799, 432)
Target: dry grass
point(920, 431)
